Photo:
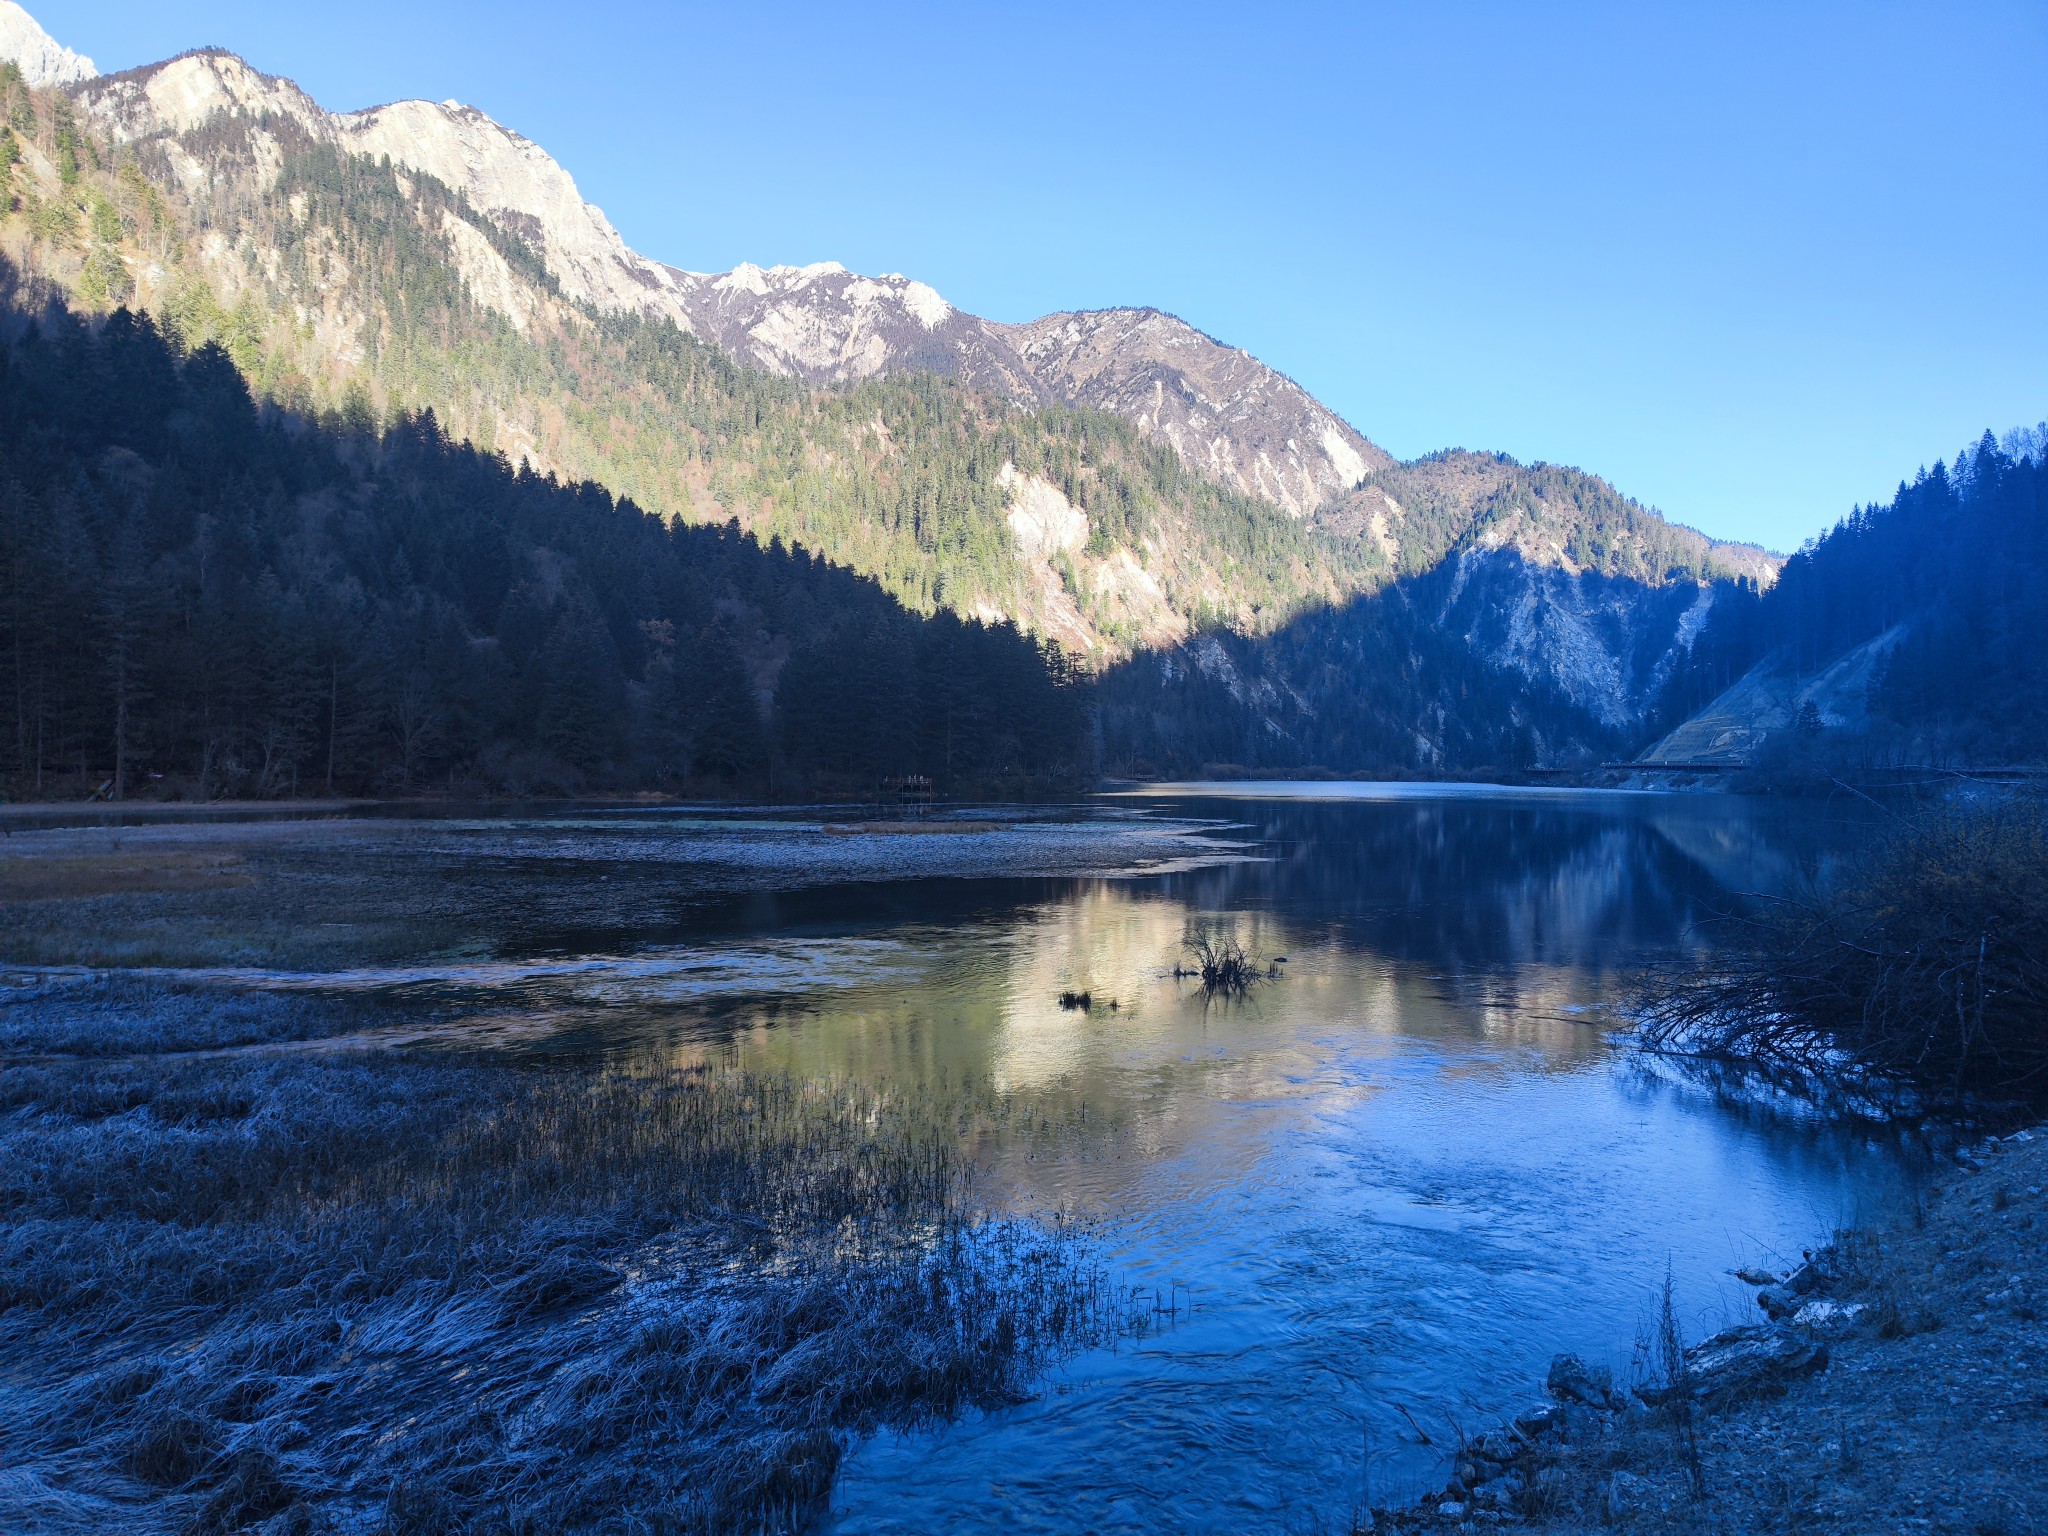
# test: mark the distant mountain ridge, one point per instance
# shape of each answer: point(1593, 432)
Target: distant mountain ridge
point(1115, 480)
point(1229, 415)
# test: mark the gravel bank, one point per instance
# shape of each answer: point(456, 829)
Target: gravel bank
point(1903, 1387)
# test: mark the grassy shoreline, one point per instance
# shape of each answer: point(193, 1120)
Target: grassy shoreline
point(407, 1292)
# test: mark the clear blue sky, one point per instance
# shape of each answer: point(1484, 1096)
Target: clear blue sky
point(1752, 263)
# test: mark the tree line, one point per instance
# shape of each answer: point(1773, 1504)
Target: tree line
point(1951, 573)
point(204, 596)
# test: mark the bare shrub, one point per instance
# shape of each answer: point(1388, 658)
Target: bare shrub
point(1927, 962)
point(1219, 962)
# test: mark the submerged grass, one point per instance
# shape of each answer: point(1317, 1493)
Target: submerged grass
point(1219, 962)
point(398, 1293)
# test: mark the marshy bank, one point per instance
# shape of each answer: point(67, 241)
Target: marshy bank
point(412, 1292)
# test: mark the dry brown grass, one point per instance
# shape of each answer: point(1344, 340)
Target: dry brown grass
point(80, 877)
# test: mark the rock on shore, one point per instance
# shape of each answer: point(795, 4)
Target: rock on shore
point(1896, 1380)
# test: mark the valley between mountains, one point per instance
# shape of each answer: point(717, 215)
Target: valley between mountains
point(1242, 576)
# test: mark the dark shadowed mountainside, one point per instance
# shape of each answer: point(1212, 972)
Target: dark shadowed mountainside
point(206, 596)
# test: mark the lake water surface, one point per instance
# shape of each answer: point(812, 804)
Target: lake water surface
point(1363, 1206)
point(1381, 1193)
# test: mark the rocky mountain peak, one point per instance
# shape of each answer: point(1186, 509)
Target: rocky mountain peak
point(830, 326)
point(1225, 412)
point(179, 94)
point(506, 177)
point(523, 189)
point(1228, 415)
point(43, 60)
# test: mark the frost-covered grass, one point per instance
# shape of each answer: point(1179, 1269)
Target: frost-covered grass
point(106, 1013)
point(312, 1291)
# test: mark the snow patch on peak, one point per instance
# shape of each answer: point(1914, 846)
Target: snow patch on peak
point(42, 59)
point(744, 278)
point(926, 306)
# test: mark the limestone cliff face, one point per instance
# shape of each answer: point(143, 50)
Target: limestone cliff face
point(518, 184)
point(43, 60)
point(511, 180)
point(1226, 413)
point(1605, 644)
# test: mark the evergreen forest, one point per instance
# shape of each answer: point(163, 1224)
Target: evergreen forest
point(208, 596)
point(1950, 577)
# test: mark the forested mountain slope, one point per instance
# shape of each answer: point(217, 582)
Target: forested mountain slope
point(305, 279)
point(225, 202)
point(1551, 515)
point(212, 598)
point(1116, 482)
point(1910, 633)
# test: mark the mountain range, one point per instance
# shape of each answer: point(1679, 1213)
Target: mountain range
point(1113, 480)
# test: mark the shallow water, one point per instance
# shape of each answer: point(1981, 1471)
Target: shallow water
point(1363, 1206)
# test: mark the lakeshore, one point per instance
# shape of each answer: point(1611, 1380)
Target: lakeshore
point(1256, 1232)
point(1895, 1381)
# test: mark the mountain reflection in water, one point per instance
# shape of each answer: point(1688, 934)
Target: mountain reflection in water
point(1384, 1189)
point(1377, 1194)
point(1370, 1199)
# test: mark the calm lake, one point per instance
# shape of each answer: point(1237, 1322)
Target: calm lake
point(1362, 1207)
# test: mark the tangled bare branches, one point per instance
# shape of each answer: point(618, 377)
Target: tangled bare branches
point(1219, 962)
point(1927, 962)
